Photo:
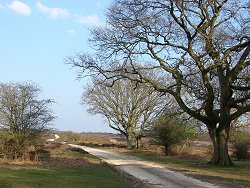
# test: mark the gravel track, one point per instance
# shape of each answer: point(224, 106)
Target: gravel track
point(151, 174)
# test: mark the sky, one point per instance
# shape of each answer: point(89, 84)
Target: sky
point(35, 39)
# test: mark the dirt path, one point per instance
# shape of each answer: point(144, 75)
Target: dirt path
point(153, 174)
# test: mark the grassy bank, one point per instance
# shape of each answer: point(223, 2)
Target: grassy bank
point(92, 176)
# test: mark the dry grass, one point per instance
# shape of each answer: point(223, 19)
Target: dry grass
point(60, 156)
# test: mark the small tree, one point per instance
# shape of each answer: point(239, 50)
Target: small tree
point(169, 130)
point(24, 116)
point(128, 107)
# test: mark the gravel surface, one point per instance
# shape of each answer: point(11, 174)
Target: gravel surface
point(150, 174)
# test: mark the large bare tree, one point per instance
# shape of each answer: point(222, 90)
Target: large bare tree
point(200, 47)
point(127, 107)
point(23, 115)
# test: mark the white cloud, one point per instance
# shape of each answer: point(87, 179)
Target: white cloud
point(70, 31)
point(88, 20)
point(20, 8)
point(52, 12)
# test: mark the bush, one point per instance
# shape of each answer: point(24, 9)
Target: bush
point(241, 150)
point(170, 131)
point(42, 155)
point(240, 138)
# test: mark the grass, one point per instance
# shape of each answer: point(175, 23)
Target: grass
point(87, 177)
point(69, 169)
point(235, 175)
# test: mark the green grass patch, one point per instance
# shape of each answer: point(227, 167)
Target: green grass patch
point(87, 177)
point(238, 175)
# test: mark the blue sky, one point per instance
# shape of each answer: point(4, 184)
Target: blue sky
point(35, 38)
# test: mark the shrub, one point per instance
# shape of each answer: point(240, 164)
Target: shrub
point(170, 131)
point(240, 138)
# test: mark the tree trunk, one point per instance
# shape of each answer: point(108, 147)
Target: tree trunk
point(167, 151)
point(138, 142)
point(36, 156)
point(220, 138)
point(212, 134)
point(129, 142)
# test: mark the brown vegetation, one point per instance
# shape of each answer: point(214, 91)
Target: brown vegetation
point(55, 155)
